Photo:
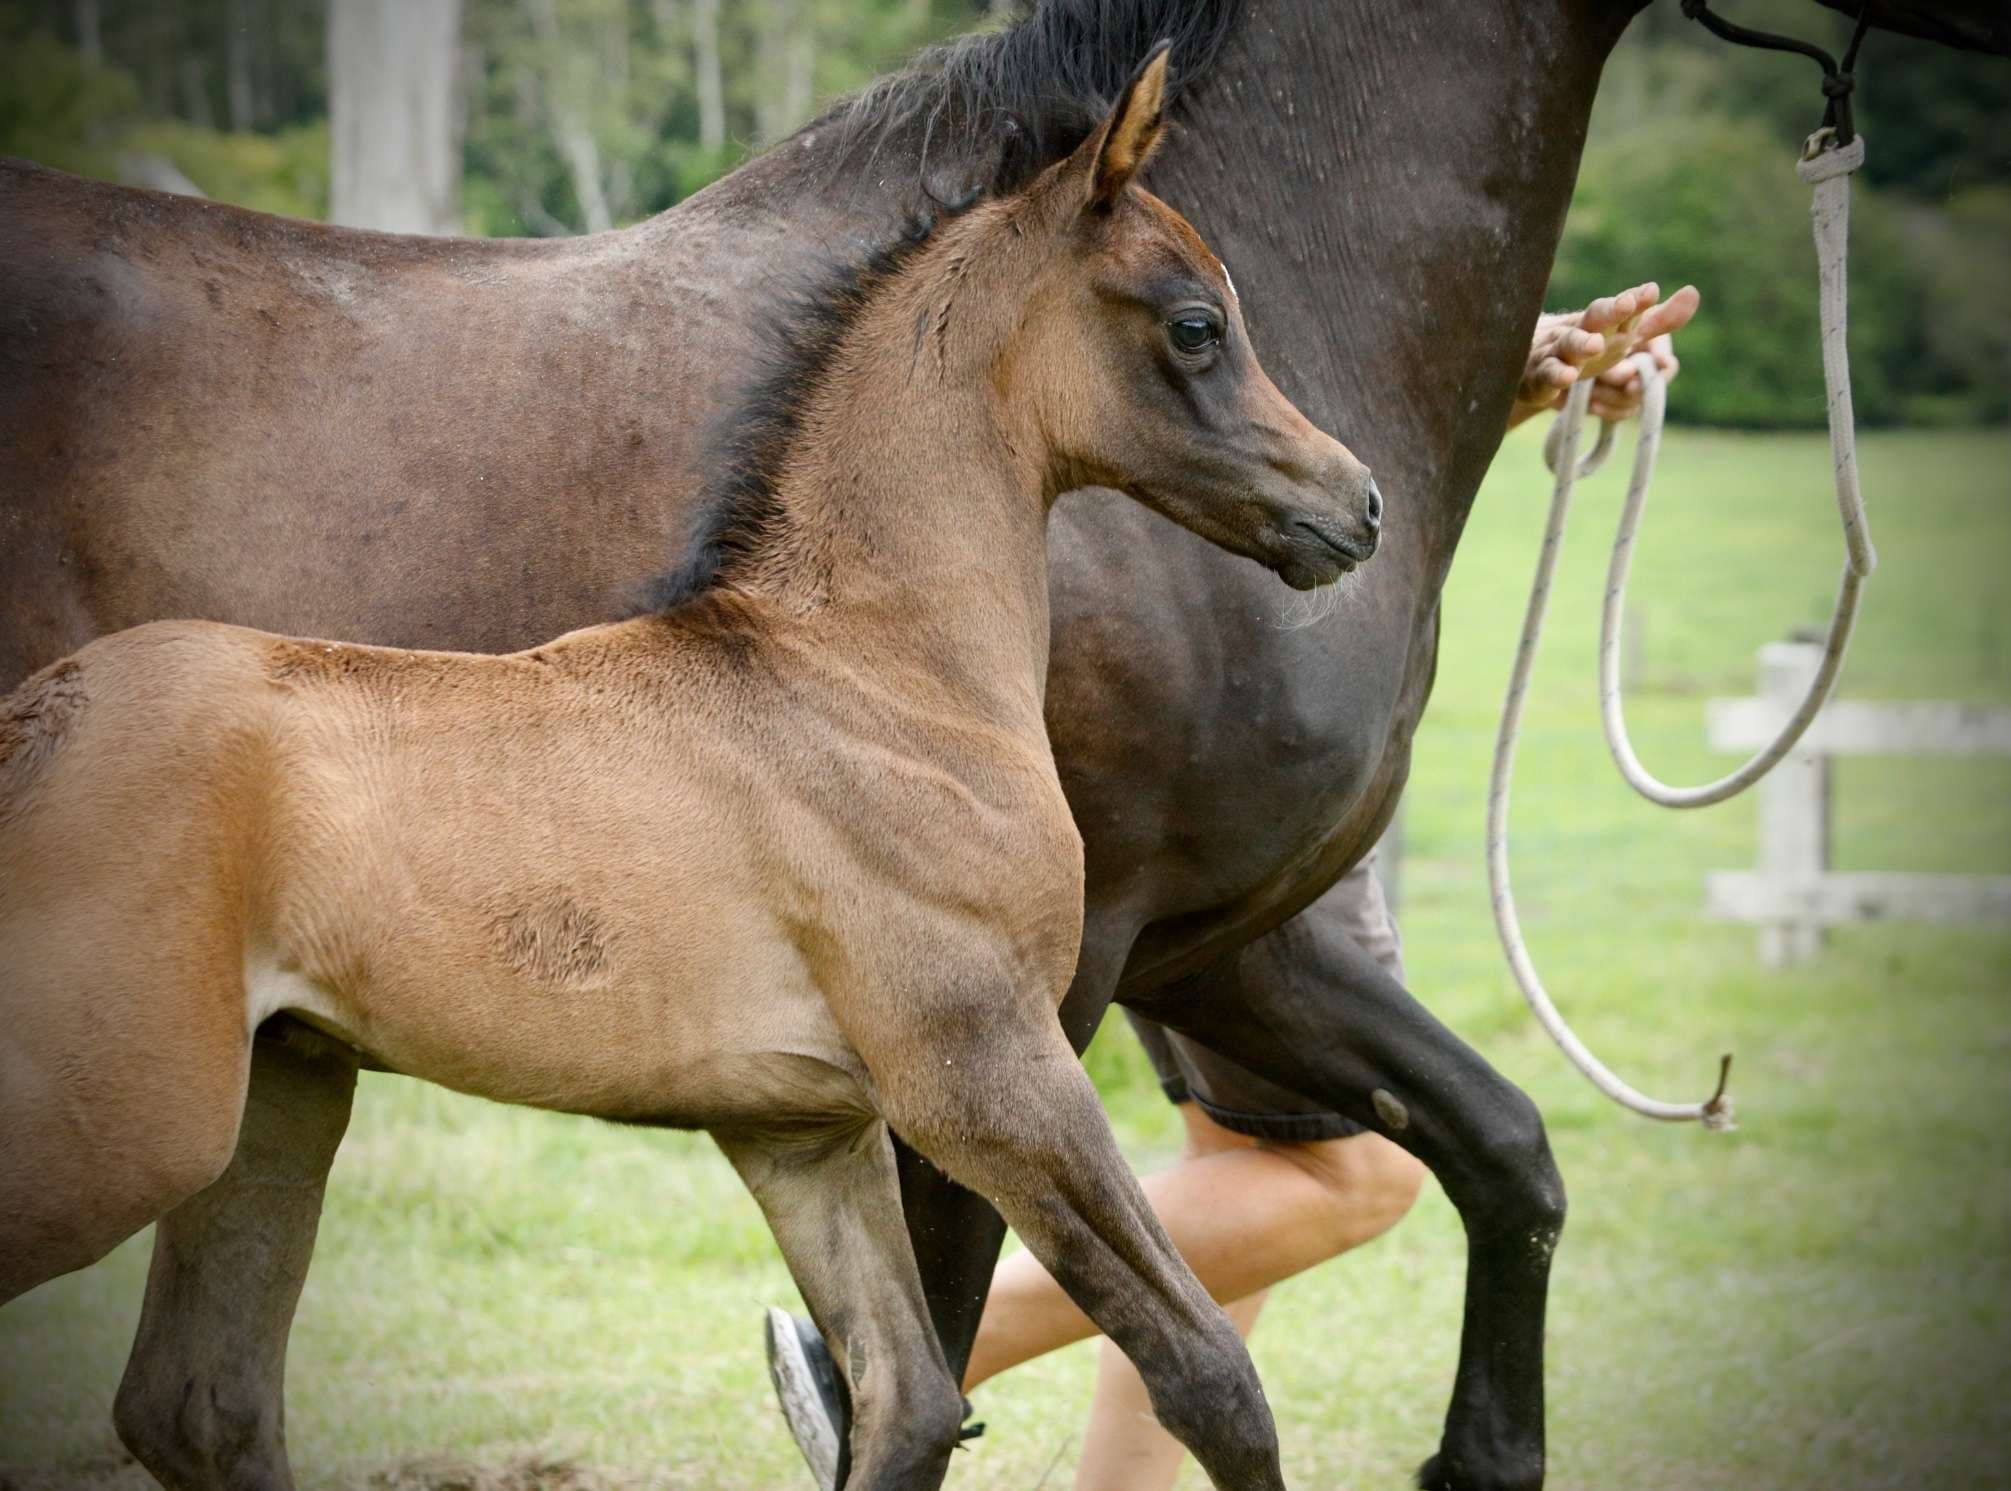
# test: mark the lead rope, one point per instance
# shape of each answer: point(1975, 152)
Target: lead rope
point(1826, 165)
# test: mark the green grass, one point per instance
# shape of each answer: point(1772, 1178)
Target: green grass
point(1817, 1301)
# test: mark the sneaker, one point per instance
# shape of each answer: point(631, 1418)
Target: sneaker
point(806, 1384)
point(813, 1403)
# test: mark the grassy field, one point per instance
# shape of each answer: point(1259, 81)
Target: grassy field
point(1820, 1300)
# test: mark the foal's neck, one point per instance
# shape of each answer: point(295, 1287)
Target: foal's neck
point(912, 507)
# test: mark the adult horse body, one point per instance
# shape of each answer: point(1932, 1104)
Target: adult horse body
point(1388, 179)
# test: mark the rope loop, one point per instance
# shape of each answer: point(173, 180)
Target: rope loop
point(1612, 714)
point(1831, 156)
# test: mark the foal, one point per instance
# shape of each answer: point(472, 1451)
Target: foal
point(785, 859)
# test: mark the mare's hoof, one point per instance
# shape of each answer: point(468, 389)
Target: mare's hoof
point(1437, 1474)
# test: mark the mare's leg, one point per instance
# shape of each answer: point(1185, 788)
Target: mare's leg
point(989, 1089)
point(955, 1235)
point(1318, 1014)
point(832, 1201)
point(201, 1403)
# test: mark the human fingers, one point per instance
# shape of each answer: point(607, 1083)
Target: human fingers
point(1612, 403)
point(1579, 347)
point(1601, 315)
point(1615, 311)
point(1671, 315)
point(1555, 372)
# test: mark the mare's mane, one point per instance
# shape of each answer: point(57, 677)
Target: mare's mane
point(1031, 93)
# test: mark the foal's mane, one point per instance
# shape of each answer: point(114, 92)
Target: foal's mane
point(1031, 93)
point(1035, 90)
point(738, 510)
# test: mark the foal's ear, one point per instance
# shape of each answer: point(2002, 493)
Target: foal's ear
point(1126, 140)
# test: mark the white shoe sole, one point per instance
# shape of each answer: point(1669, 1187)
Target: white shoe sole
point(802, 1405)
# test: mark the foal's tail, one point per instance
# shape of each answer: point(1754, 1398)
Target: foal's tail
point(34, 719)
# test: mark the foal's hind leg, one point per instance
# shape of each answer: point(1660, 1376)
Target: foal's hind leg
point(201, 1405)
point(833, 1202)
point(994, 1094)
point(119, 1091)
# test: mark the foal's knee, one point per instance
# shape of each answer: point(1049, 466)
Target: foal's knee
point(903, 1431)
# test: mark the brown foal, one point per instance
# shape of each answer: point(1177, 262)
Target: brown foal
point(785, 859)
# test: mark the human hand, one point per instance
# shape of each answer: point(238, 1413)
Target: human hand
point(1597, 342)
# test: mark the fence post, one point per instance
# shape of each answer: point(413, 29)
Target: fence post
point(1794, 810)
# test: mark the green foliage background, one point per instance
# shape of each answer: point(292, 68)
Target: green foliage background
point(1688, 176)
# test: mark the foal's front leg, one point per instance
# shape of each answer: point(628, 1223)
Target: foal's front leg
point(833, 1201)
point(990, 1090)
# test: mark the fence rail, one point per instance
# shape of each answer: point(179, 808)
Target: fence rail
point(1793, 895)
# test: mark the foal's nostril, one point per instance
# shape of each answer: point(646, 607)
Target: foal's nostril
point(1375, 507)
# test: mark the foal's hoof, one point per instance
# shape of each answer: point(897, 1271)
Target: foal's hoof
point(806, 1385)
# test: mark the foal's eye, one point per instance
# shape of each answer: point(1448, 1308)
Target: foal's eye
point(1194, 332)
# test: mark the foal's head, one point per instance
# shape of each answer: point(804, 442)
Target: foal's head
point(1131, 350)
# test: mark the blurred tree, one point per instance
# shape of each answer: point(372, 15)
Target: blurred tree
point(394, 115)
point(1935, 120)
point(1717, 202)
point(578, 114)
point(586, 113)
point(1687, 177)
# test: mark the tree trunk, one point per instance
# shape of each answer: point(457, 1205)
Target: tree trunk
point(574, 136)
point(799, 85)
point(786, 52)
point(395, 151)
point(90, 39)
point(195, 92)
point(237, 66)
point(711, 83)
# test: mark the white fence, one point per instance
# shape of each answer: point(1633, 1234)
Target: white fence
point(1793, 895)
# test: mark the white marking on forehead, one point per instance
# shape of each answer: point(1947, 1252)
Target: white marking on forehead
point(1229, 282)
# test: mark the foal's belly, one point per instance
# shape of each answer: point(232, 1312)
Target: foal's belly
point(660, 1024)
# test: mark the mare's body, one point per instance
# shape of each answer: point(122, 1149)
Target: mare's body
point(788, 860)
point(387, 431)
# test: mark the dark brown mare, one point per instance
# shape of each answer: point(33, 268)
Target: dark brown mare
point(206, 412)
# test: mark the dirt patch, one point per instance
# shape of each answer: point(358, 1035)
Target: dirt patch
point(442, 1473)
point(110, 1473)
point(525, 1473)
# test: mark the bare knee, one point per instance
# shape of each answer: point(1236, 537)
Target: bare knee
point(922, 1429)
point(1203, 1136)
point(1363, 1186)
